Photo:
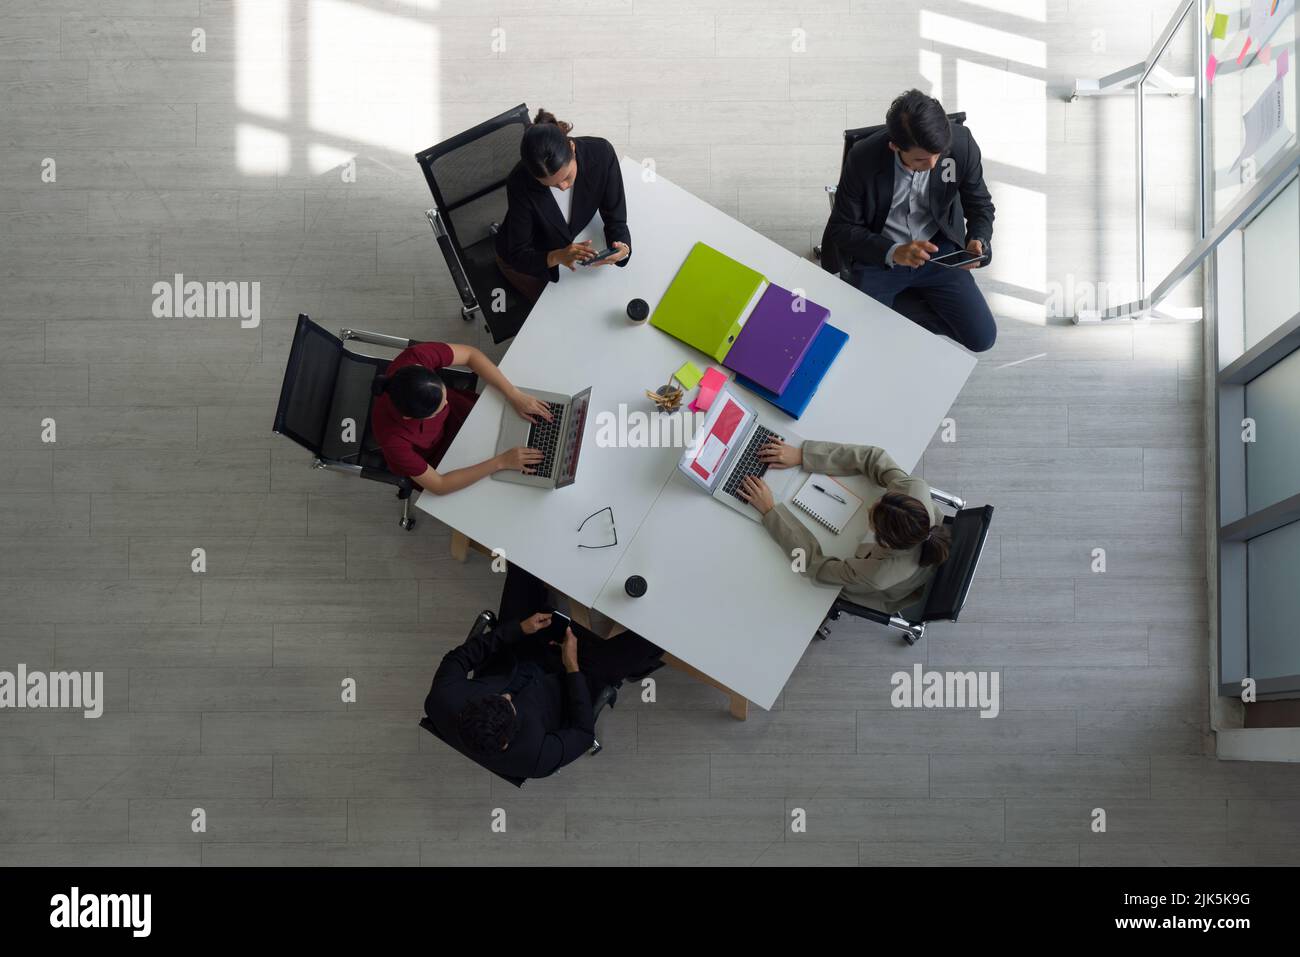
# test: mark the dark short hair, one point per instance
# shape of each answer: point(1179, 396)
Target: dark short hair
point(416, 391)
point(917, 120)
point(544, 148)
point(486, 724)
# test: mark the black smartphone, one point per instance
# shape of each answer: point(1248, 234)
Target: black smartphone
point(962, 257)
point(559, 623)
point(602, 255)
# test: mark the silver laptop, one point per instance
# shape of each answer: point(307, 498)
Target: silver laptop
point(560, 440)
point(725, 450)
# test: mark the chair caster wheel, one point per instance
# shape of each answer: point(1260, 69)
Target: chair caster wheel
point(406, 523)
point(909, 638)
point(823, 632)
point(817, 253)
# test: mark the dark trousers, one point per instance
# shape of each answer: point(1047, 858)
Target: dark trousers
point(530, 287)
point(950, 303)
point(602, 661)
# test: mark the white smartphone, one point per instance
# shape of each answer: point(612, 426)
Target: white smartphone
point(959, 258)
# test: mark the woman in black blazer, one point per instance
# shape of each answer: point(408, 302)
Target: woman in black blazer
point(553, 192)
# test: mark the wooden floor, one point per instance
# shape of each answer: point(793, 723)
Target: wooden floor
point(223, 689)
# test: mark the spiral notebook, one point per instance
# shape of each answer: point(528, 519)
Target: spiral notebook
point(828, 502)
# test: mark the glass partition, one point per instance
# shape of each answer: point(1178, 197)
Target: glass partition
point(1271, 265)
point(1250, 79)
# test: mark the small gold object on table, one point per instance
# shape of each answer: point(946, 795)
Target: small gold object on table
point(668, 398)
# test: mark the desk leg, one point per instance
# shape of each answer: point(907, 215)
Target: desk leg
point(459, 546)
point(462, 543)
point(580, 613)
point(738, 706)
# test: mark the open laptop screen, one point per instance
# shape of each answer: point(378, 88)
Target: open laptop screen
point(725, 427)
point(573, 441)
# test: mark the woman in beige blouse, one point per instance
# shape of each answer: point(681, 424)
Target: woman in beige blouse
point(908, 540)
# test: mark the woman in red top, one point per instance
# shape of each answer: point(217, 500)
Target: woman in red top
point(415, 416)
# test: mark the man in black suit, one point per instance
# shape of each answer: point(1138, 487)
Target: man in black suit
point(518, 701)
point(909, 193)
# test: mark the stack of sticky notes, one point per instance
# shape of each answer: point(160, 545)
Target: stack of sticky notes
point(710, 385)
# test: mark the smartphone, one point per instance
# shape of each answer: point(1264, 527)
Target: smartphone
point(962, 257)
point(603, 254)
point(559, 623)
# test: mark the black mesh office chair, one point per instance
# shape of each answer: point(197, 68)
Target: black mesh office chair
point(945, 594)
point(467, 176)
point(908, 302)
point(326, 386)
point(608, 697)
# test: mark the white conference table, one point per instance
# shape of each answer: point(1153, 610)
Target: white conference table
point(721, 596)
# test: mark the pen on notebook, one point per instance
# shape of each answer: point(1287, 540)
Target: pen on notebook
point(831, 494)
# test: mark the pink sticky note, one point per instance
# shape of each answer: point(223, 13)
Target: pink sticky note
point(713, 381)
point(1242, 55)
point(1283, 62)
point(1211, 65)
point(1266, 53)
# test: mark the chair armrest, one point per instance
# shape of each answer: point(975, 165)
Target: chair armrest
point(375, 338)
point(459, 278)
point(460, 376)
point(844, 606)
point(947, 498)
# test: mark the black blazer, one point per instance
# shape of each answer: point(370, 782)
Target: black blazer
point(866, 190)
point(534, 226)
point(535, 750)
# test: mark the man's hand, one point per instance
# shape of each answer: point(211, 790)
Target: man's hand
point(519, 459)
point(530, 407)
point(571, 255)
point(618, 257)
point(975, 248)
point(756, 492)
point(535, 623)
point(569, 650)
point(780, 455)
point(915, 253)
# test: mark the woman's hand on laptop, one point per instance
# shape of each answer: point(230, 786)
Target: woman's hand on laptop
point(779, 455)
point(530, 407)
point(519, 458)
point(755, 491)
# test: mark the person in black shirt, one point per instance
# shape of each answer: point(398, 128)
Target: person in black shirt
point(518, 700)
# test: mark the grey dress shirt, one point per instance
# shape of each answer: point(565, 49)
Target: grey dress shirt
point(909, 211)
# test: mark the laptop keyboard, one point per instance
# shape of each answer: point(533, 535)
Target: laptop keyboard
point(748, 463)
point(545, 437)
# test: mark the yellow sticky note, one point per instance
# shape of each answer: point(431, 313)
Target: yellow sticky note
point(1220, 30)
point(689, 375)
point(1209, 19)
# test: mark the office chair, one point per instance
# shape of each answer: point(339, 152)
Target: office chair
point(325, 385)
point(467, 177)
point(946, 592)
point(608, 697)
point(909, 301)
